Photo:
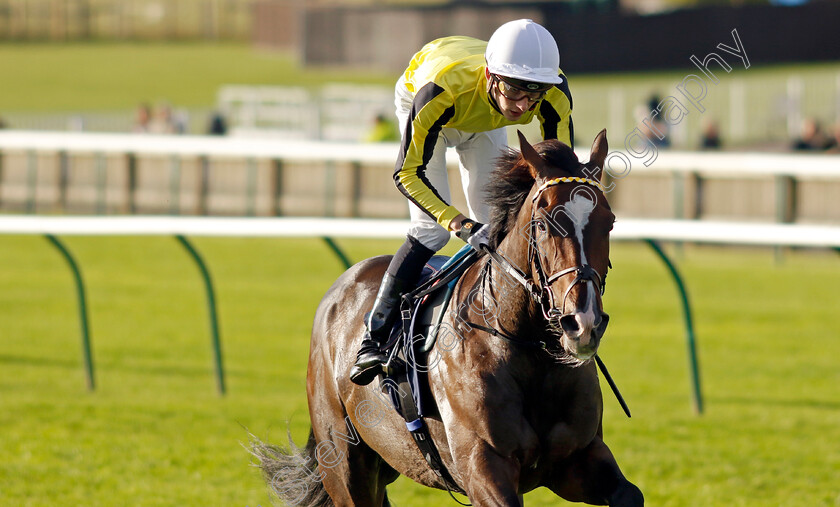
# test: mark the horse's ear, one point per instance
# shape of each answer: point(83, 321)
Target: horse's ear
point(530, 155)
point(598, 155)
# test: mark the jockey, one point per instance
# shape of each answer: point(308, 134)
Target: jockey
point(461, 92)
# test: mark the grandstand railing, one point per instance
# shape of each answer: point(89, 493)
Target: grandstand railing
point(786, 169)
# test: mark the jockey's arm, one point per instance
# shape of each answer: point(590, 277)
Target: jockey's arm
point(555, 115)
point(432, 112)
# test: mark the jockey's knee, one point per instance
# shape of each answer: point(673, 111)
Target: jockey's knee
point(432, 238)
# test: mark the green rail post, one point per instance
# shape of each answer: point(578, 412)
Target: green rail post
point(211, 306)
point(337, 251)
point(83, 316)
point(689, 326)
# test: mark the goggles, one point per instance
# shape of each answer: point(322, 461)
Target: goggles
point(516, 90)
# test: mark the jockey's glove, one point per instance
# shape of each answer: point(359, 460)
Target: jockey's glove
point(474, 233)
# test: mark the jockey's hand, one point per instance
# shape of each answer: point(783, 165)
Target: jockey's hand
point(474, 233)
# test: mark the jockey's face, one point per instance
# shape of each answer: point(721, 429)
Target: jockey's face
point(513, 103)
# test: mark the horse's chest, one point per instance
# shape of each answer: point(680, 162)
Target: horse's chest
point(567, 424)
point(564, 438)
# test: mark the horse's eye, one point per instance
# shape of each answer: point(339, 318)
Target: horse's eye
point(541, 226)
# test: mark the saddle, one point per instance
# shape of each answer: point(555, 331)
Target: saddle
point(405, 380)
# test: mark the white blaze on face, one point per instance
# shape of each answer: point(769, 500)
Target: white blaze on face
point(578, 209)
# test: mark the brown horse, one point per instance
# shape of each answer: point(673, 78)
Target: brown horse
point(517, 398)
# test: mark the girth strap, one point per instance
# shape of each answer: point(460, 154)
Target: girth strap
point(421, 435)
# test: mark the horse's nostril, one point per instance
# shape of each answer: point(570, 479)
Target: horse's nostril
point(569, 324)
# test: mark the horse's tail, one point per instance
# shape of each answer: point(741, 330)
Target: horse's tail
point(292, 474)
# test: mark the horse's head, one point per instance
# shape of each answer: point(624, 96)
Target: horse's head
point(565, 222)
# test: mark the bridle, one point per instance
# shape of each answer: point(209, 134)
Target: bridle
point(540, 291)
point(582, 273)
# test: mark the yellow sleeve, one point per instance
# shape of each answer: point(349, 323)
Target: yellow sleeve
point(433, 107)
point(555, 114)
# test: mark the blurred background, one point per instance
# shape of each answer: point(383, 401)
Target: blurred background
point(324, 70)
point(97, 98)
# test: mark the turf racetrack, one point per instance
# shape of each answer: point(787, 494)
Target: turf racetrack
point(156, 433)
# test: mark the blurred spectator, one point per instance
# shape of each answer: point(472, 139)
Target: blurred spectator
point(142, 118)
point(651, 126)
point(218, 124)
point(76, 123)
point(382, 131)
point(710, 139)
point(653, 102)
point(165, 122)
point(180, 121)
point(812, 137)
point(834, 142)
point(657, 123)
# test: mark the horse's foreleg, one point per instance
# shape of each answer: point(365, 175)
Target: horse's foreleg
point(592, 475)
point(490, 479)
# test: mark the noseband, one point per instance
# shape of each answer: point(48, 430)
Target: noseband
point(582, 273)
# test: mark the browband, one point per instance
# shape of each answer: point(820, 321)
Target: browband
point(568, 179)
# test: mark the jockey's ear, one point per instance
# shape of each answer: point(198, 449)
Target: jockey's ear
point(598, 155)
point(531, 156)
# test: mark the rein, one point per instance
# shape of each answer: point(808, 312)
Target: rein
point(541, 291)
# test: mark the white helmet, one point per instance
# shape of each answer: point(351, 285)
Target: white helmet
point(524, 50)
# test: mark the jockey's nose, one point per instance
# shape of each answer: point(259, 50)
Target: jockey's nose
point(523, 104)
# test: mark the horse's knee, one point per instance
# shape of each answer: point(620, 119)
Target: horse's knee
point(627, 494)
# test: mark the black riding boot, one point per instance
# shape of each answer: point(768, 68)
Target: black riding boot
point(401, 276)
point(380, 319)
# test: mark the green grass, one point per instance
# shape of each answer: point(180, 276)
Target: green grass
point(98, 76)
point(53, 77)
point(156, 433)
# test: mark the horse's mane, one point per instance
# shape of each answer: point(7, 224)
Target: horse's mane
point(511, 182)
